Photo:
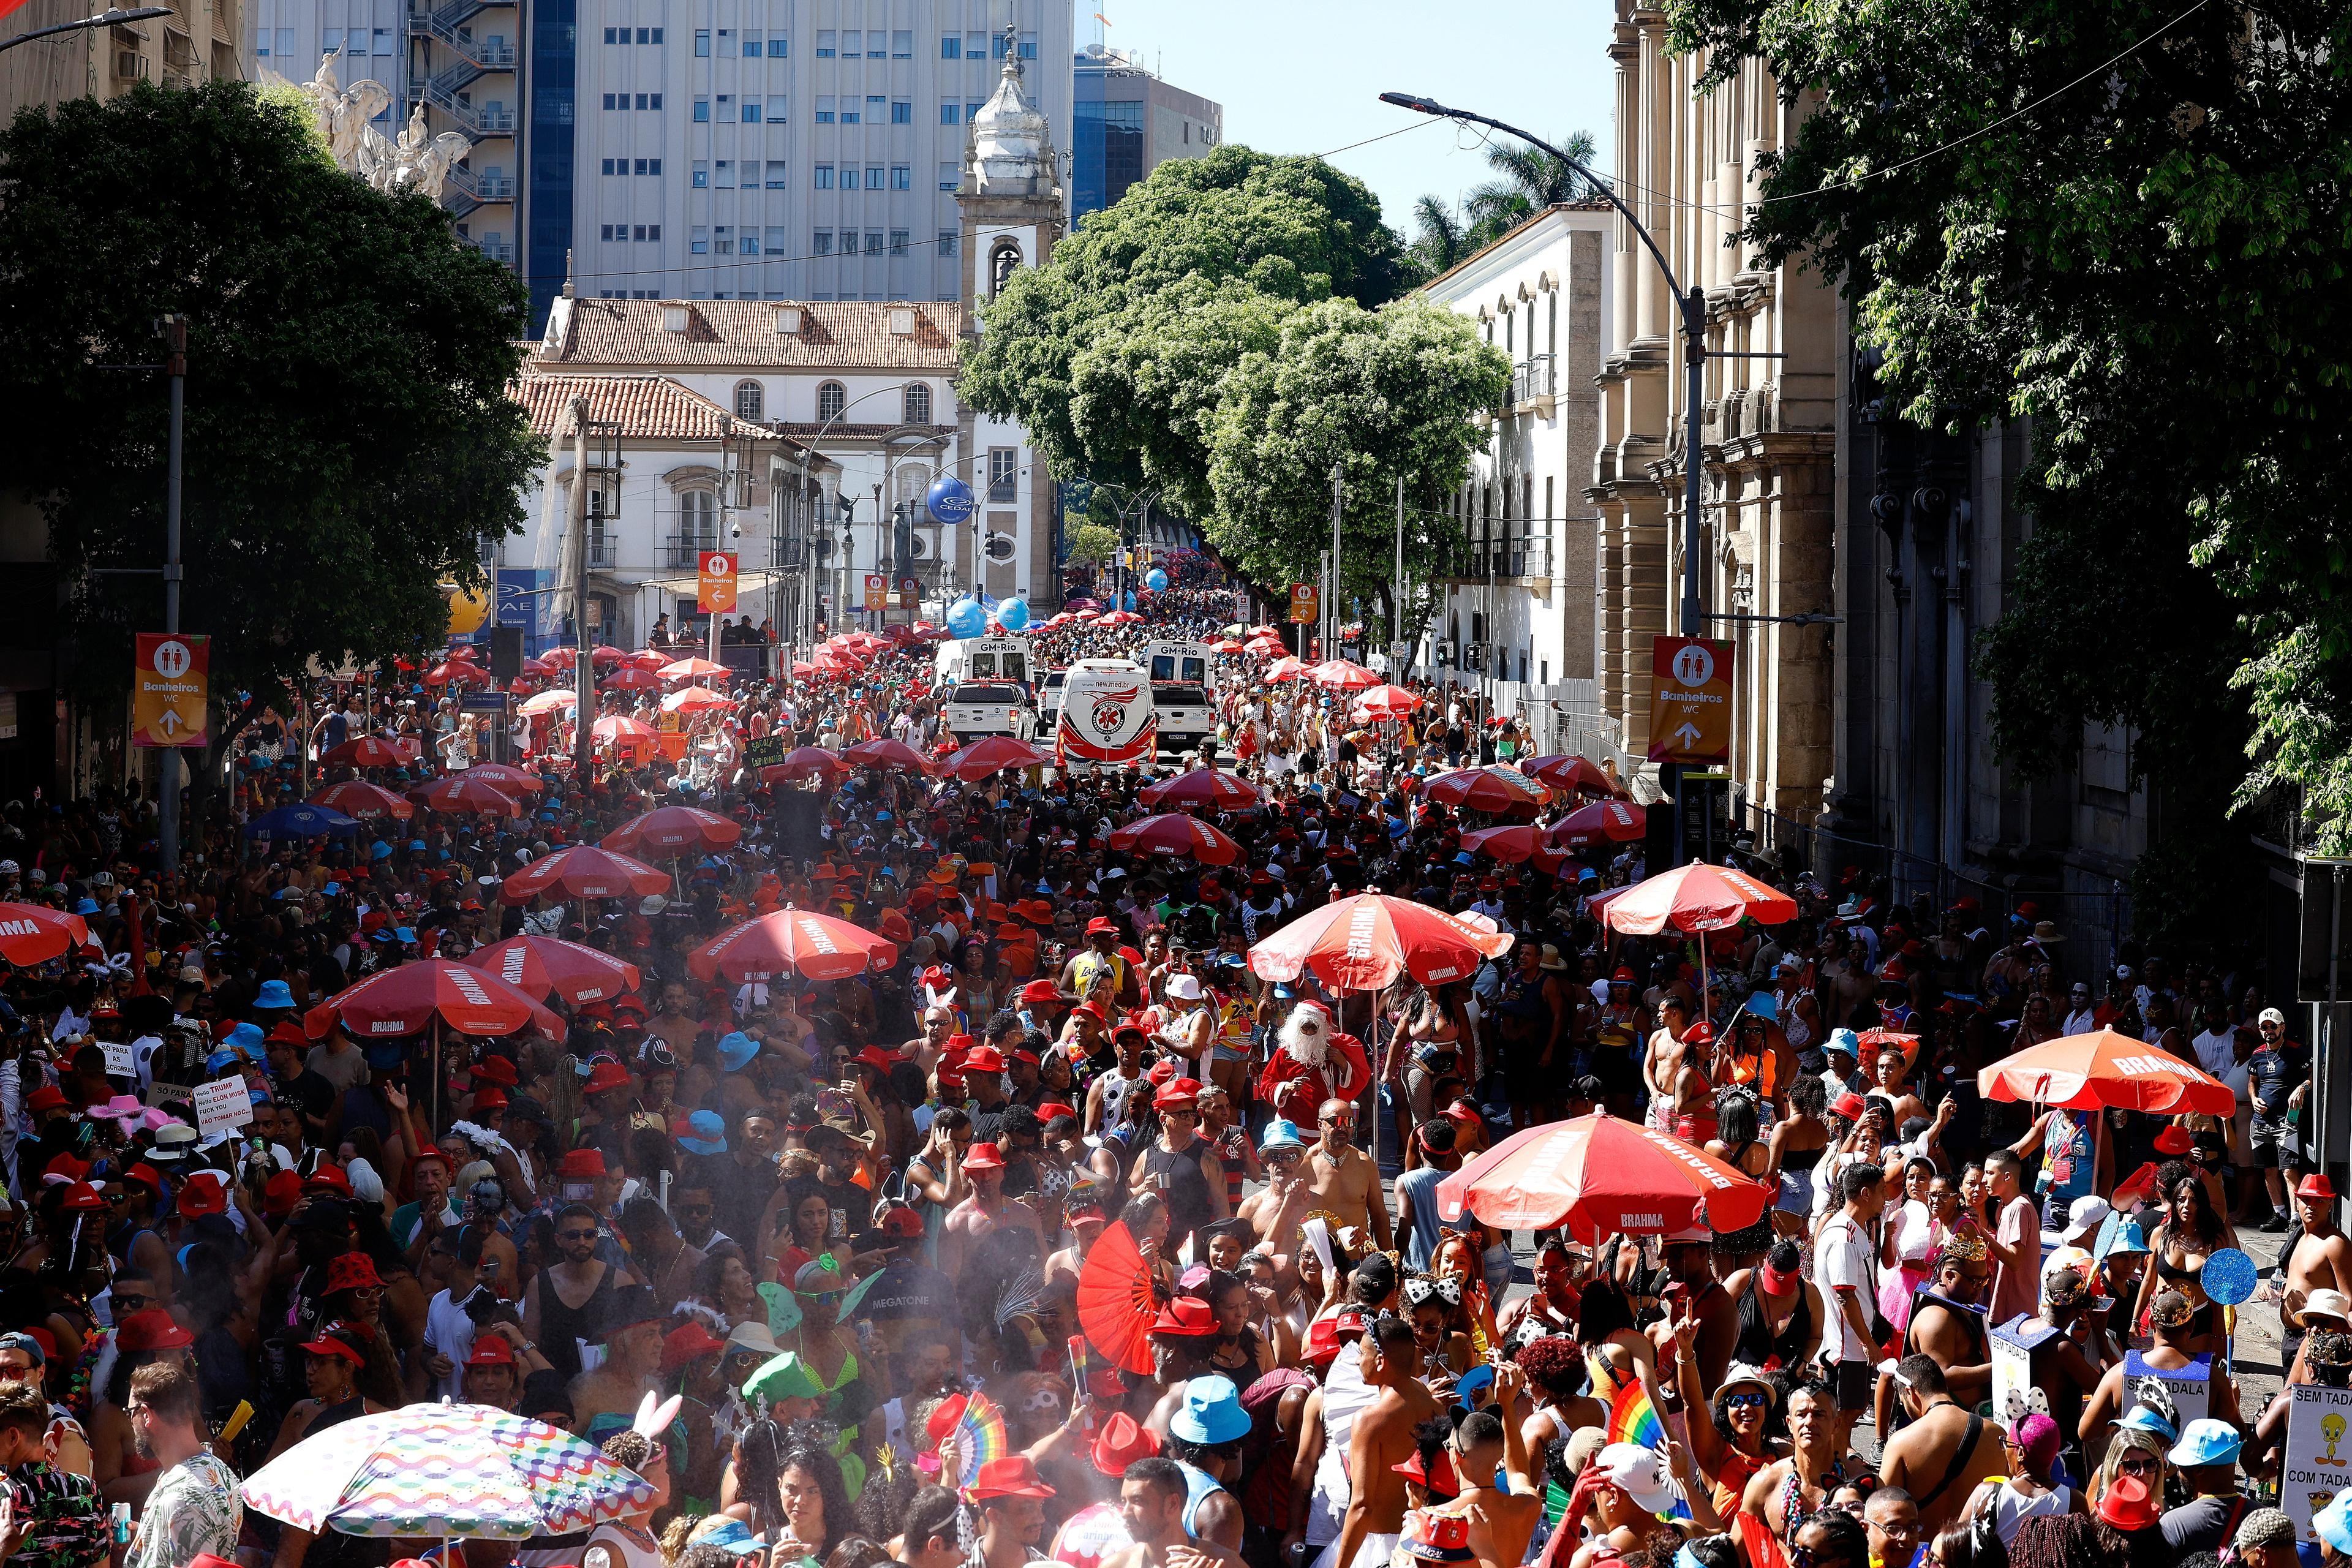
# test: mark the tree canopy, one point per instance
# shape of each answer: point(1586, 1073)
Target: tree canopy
point(2127, 222)
point(350, 443)
point(1220, 293)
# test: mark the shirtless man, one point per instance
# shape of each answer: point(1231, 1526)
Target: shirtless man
point(1812, 1433)
point(2322, 1259)
point(1501, 1523)
point(2171, 1317)
point(1275, 1211)
point(1891, 1073)
point(1662, 1061)
point(1343, 1179)
point(1151, 1499)
point(1945, 1450)
point(1382, 1439)
point(984, 1211)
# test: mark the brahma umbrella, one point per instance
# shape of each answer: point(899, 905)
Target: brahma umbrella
point(1176, 837)
point(886, 754)
point(986, 758)
point(2081, 1072)
point(1202, 786)
point(1602, 822)
point(629, 677)
point(357, 798)
point(1696, 900)
point(791, 942)
point(1283, 669)
point(1597, 1176)
point(804, 763)
point(546, 966)
point(696, 699)
point(507, 777)
point(1569, 773)
point(462, 795)
point(412, 998)
point(369, 751)
point(1495, 787)
point(672, 830)
point(585, 871)
point(35, 933)
point(1516, 844)
point(1343, 675)
point(693, 669)
point(1364, 942)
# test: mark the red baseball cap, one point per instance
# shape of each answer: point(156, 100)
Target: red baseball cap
point(491, 1350)
point(150, 1330)
point(1186, 1318)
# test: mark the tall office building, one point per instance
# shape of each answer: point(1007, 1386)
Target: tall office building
point(785, 149)
point(459, 59)
point(1127, 123)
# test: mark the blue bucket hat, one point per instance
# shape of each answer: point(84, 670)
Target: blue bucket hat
point(737, 1049)
point(416, 844)
point(1845, 1040)
point(1279, 1134)
point(731, 1535)
point(2140, 1418)
point(2333, 1524)
point(379, 850)
point(273, 994)
point(1762, 1005)
point(246, 1038)
point(2206, 1441)
point(405, 933)
point(1213, 1412)
point(710, 1134)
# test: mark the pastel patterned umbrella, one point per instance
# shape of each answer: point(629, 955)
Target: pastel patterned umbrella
point(444, 1471)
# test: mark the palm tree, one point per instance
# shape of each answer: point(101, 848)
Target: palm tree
point(1440, 241)
point(1532, 179)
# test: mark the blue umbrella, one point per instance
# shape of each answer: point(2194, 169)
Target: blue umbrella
point(301, 820)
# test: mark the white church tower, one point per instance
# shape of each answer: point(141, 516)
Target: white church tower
point(1013, 208)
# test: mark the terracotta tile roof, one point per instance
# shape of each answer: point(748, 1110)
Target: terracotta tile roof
point(837, 334)
point(645, 407)
point(806, 430)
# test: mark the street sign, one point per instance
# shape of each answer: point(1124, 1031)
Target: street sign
point(910, 593)
point(1690, 700)
point(171, 686)
point(1306, 603)
point(483, 702)
point(877, 591)
point(715, 585)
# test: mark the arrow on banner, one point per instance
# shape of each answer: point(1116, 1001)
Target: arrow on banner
point(1688, 734)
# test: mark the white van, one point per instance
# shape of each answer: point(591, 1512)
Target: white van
point(1107, 717)
point(981, 658)
point(1183, 692)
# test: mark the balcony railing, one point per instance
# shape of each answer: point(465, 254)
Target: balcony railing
point(496, 249)
point(604, 554)
point(1508, 557)
point(1531, 379)
point(683, 550)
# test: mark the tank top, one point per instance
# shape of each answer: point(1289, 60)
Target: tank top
point(1186, 1189)
point(2068, 1168)
point(1199, 1487)
point(1345, 1397)
point(1757, 1346)
point(1119, 1091)
point(562, 1327)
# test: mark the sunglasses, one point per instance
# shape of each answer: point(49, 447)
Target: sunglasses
point(576, 1236)
point(822, 1298)
point(1743, 1401)
point(2136, 1465)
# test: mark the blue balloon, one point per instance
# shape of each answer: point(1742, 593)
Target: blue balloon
point(1013, 614)
point(950, 498)
point(966, 618)
point(1156, 580)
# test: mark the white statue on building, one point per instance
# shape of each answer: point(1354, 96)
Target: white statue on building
point(344, 114)
point(418, 162)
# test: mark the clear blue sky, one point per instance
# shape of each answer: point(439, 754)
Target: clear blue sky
point(1306, 76)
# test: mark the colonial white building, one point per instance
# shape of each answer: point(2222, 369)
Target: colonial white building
point(1520, 618)
point(804, 435)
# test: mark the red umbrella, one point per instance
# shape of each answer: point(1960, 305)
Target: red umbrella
point(544, 966)
point(619, 729)
point(1495, 787)
point(806, 762)
point(1602, 822)
point(1176, 837)
point(607, 654)
point(646, 658)
point(1115, 1303)
point(693, 669)
point(355, 798)
point(985, 759)
point(629, 677)
point(1342, 675)
point(1202, 786)
point(455, 670)
point(1364, 942)
point(1227, 646)
point(1569, 772)
point(673, 829)
point(407, 1000)
point(508, 777)
point(35, 933)
point(369, 751)
point(457, 793)
point(2080, 1073)
point(1283, 669)
point(696, 699)
point(792, 940)
point(884, 754)
point(1597, 1175)
point(1514, 845)
point(585, 871)
point(1698, 898)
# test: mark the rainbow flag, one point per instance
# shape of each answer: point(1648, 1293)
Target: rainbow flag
point(1633, 1420)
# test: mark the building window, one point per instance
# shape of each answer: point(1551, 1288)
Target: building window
point(609, 35)
point(950, 112)
point(608, 165)
point(831, 399)
point(902, 45)
point(902, 177)
point(701, 175)
point(776, 241)
point(1004, 468)
point(947, 242)
point(874, 177)
point(825, 176)
point(697, 242)
point(877, 109)
point(649, 165)
point(902, 111)
point(751, 111)
point(975, 45)
point(777, 173)
point(726, 239)
point(873, 242)
point(604, 231)
point(751, 400)
point(919, 404)
point(853, 44)
point(824, 109)
point(1028, 46)
point(697, 520)
point(701, 112)
point(702, 42)
point(971, 111)
point(874, 45)
point(898, 242)
point(825, 50)
point(824, 242)
point(751, 240)
point(775, 108)
point(656, 35)
point(996, 46)
point(952, 47)
point(1000, 263)
point(951, 176)
point(754, 43)
point(726, 180)
point(850, 112)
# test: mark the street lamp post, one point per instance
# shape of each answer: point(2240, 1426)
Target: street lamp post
point(103, 20)
point(1692, 304)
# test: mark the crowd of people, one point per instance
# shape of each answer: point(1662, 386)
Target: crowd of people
point(836, 1266)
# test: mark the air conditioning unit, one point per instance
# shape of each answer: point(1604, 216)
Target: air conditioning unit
point(922, 547)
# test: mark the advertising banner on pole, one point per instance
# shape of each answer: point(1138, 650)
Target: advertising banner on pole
point(1306, 603)
point(715, 587)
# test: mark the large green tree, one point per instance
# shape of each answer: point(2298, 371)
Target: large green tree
point(2128, 221)
point(350, 443)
